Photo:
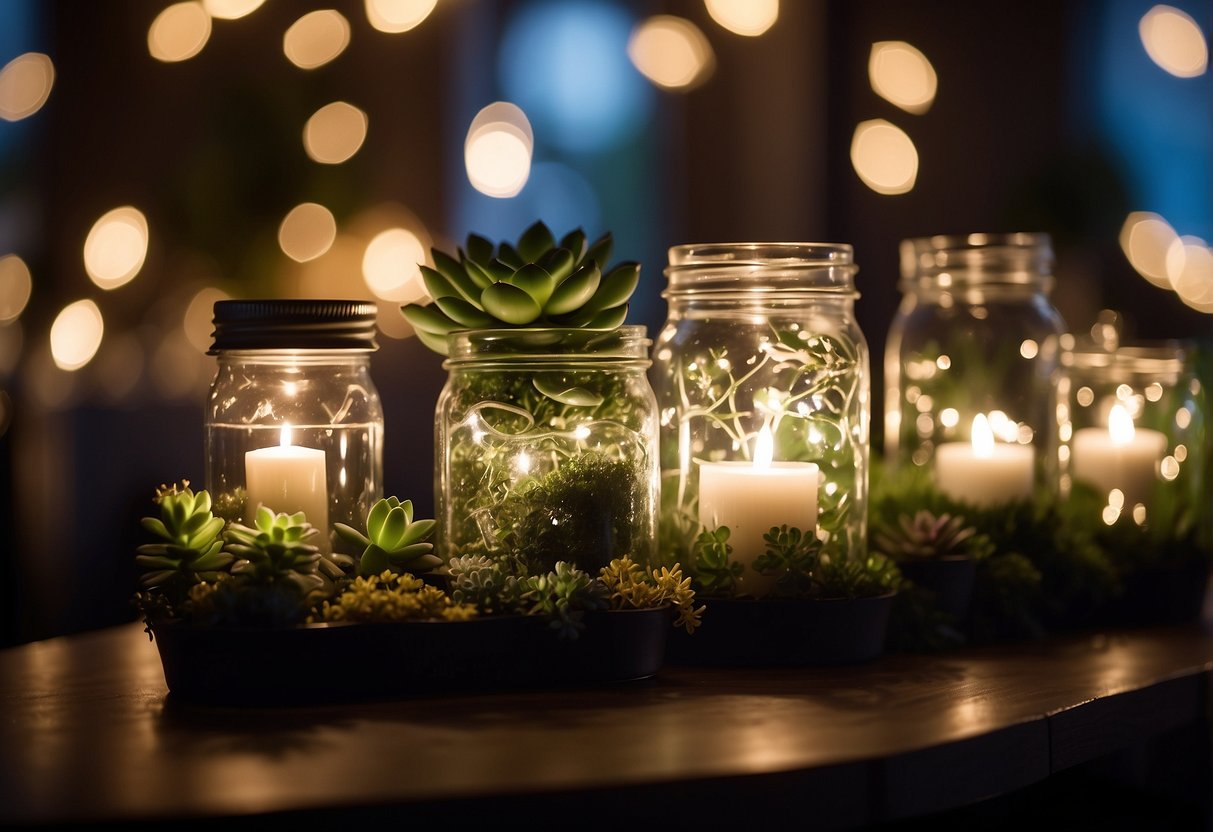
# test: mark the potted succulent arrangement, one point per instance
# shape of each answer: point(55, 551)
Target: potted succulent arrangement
point(938, 554)
point(823, 609)
point(249, 613)
point(546, 429)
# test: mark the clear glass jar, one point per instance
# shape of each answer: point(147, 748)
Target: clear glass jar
point(1137, 433)
point(293, 420)
point(761, 374)
point(546, 447)
point(973, 375)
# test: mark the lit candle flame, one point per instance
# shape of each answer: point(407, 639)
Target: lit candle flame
point(285, 441)
point(982, 437)
point(764, 448)
point(1120, 425)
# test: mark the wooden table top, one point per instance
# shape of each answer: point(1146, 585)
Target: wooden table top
point(88, 733)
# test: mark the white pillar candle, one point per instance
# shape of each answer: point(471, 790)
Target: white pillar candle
point(750, 498)
point(288, 478)
point(1123, 456)
point(984, 472)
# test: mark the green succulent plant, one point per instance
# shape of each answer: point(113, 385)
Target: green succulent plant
point(927, 536)
point(487, 584)
point(715, 571)
point(536, 283)
point(393, 597)
point(276, 549)
point(793, 556)
point(192, 548)
point(563, 595)
point(393, 541)
point(628, 586)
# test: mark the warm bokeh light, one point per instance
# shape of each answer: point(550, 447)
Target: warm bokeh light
point(1145, 239)
point(395, 16)
point(307, 232)
point(199, 317)
point(116, 247)
point(671, 52)
point(334, 133)
point(497, 151)
point(76, 335)
point(25, 84)
point(316, 38)
point(390, 266)
point(1190, 269)
point(884, 157)
point(179, 32)
point(231, 9)
point(1174, 41)
point(744, 17)
point(15, 287)
point(902, 75)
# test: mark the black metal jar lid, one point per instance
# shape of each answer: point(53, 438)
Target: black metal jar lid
point(294, 325)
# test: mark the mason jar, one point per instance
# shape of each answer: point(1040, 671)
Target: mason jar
point(973, 374)
point(293, 421)
point(761, 374)
point(546, 447)
point(1137, 433)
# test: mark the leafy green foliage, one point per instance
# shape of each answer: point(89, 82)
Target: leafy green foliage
point(191, 548)
point(393, 540)
point(793, 556)
point(536, 283)
point(715, 571)
point(586, 506)
point(868, 577)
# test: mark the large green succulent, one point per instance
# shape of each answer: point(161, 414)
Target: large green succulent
point(192, 550)
point(275, 549)
point(537, 283)
point(393, 540)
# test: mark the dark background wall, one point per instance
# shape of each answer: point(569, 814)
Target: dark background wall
point(209, 149)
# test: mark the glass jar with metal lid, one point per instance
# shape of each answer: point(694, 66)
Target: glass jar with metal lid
point(293, 420)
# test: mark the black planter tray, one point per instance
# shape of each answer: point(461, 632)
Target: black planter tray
point(742, 632)
point(329, 662)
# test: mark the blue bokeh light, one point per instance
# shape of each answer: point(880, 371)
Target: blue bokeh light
point(566, 64)
point(1160, 126)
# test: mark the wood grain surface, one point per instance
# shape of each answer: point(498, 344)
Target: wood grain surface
point(88, 733)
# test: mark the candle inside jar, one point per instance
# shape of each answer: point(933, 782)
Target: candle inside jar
point(286, 479)
point(1122, 457)
point(982, 471)
point(752, 497)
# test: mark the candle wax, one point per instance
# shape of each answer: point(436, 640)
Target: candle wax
point(1129, 464)
point(287, 479)
point(750, 500)
point(998, 474)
